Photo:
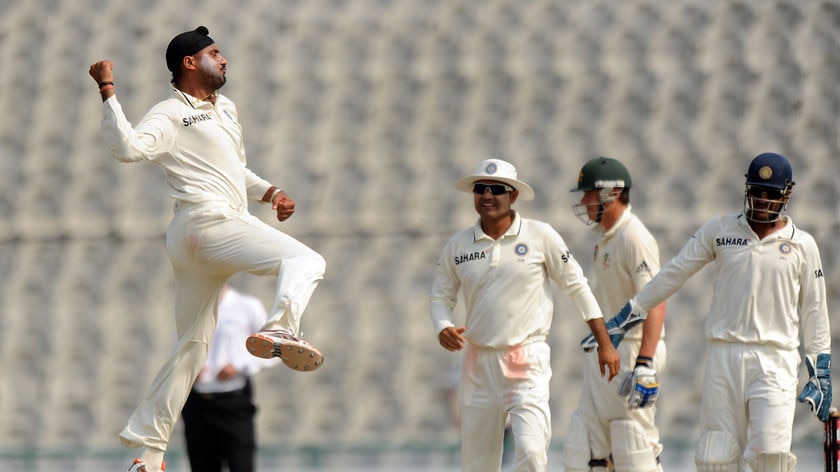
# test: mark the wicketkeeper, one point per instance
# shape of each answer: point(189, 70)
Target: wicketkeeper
point(769, 288)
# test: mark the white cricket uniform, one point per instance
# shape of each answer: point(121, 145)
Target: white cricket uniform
point(506, 285)
point(625, 260)
point(211, 237)
point(764, 291)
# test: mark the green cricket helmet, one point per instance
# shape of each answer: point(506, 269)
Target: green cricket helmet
point(607, 175)
point(603, 172)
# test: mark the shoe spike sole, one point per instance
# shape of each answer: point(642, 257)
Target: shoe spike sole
point(296, 356)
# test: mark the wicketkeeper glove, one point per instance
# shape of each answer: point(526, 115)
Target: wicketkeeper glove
point(640, 386)
point(817, 392)
point(617, 326)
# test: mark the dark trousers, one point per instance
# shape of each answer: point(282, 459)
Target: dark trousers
point(219, 430)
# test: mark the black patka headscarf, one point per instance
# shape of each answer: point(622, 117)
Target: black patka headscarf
point(186, 44)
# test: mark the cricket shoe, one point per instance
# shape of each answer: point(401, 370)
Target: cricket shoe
point(296, 353)
point(140, 466)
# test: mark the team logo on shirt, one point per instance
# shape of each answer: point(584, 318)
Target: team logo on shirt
point(785, 248)
point(605, 261)
point(521, 249)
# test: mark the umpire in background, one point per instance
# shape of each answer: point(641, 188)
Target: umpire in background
point(219, 413)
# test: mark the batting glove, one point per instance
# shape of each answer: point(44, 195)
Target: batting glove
point(617, 326)
point(640, 386)
point(817, 392)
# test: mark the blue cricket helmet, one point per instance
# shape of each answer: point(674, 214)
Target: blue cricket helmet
point(770, 170)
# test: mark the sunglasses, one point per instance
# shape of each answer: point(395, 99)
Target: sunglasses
point(765, 192)
point(495, 189)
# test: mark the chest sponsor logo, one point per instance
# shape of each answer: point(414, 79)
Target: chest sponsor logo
point(732, 241)
point(191, 120)
point(470, 257)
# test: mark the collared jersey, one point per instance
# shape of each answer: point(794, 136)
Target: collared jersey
point(625, 260)
point(763, 290)
point(506, 283)
point(240, 315)
point(199, 144)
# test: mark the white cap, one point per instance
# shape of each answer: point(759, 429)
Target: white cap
point(499, 170)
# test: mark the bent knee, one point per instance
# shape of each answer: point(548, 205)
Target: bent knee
point(318, 262)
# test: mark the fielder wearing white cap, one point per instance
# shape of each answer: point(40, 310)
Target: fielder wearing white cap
point(768, 285)
point(503, 265)
point(499, 171)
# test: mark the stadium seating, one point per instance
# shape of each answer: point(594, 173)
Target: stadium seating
point(366, 112)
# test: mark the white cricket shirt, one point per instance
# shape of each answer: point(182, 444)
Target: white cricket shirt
point(199, 144)
point(506, 283)
point(625, 260)
point(763, 290)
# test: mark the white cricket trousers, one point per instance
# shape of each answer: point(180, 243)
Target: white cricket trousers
point(207, 245)
point(749, 391)
point(497, 384)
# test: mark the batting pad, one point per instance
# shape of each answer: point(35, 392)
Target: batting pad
point(717, 451)
point(777, 462)
point(631, 449)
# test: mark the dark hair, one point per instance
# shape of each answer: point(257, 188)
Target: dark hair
point(625, 196)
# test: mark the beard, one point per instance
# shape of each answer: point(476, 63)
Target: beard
point(213, 77)
point(764, 212)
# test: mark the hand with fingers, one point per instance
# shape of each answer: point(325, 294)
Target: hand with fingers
point(283, 205)
point(452, 338)
point(102, 73)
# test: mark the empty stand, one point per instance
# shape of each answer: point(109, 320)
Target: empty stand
point(367, 112)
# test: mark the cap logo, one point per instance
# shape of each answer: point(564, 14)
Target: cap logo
point(765, 172)
point(580, 177)
point(491, 168)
